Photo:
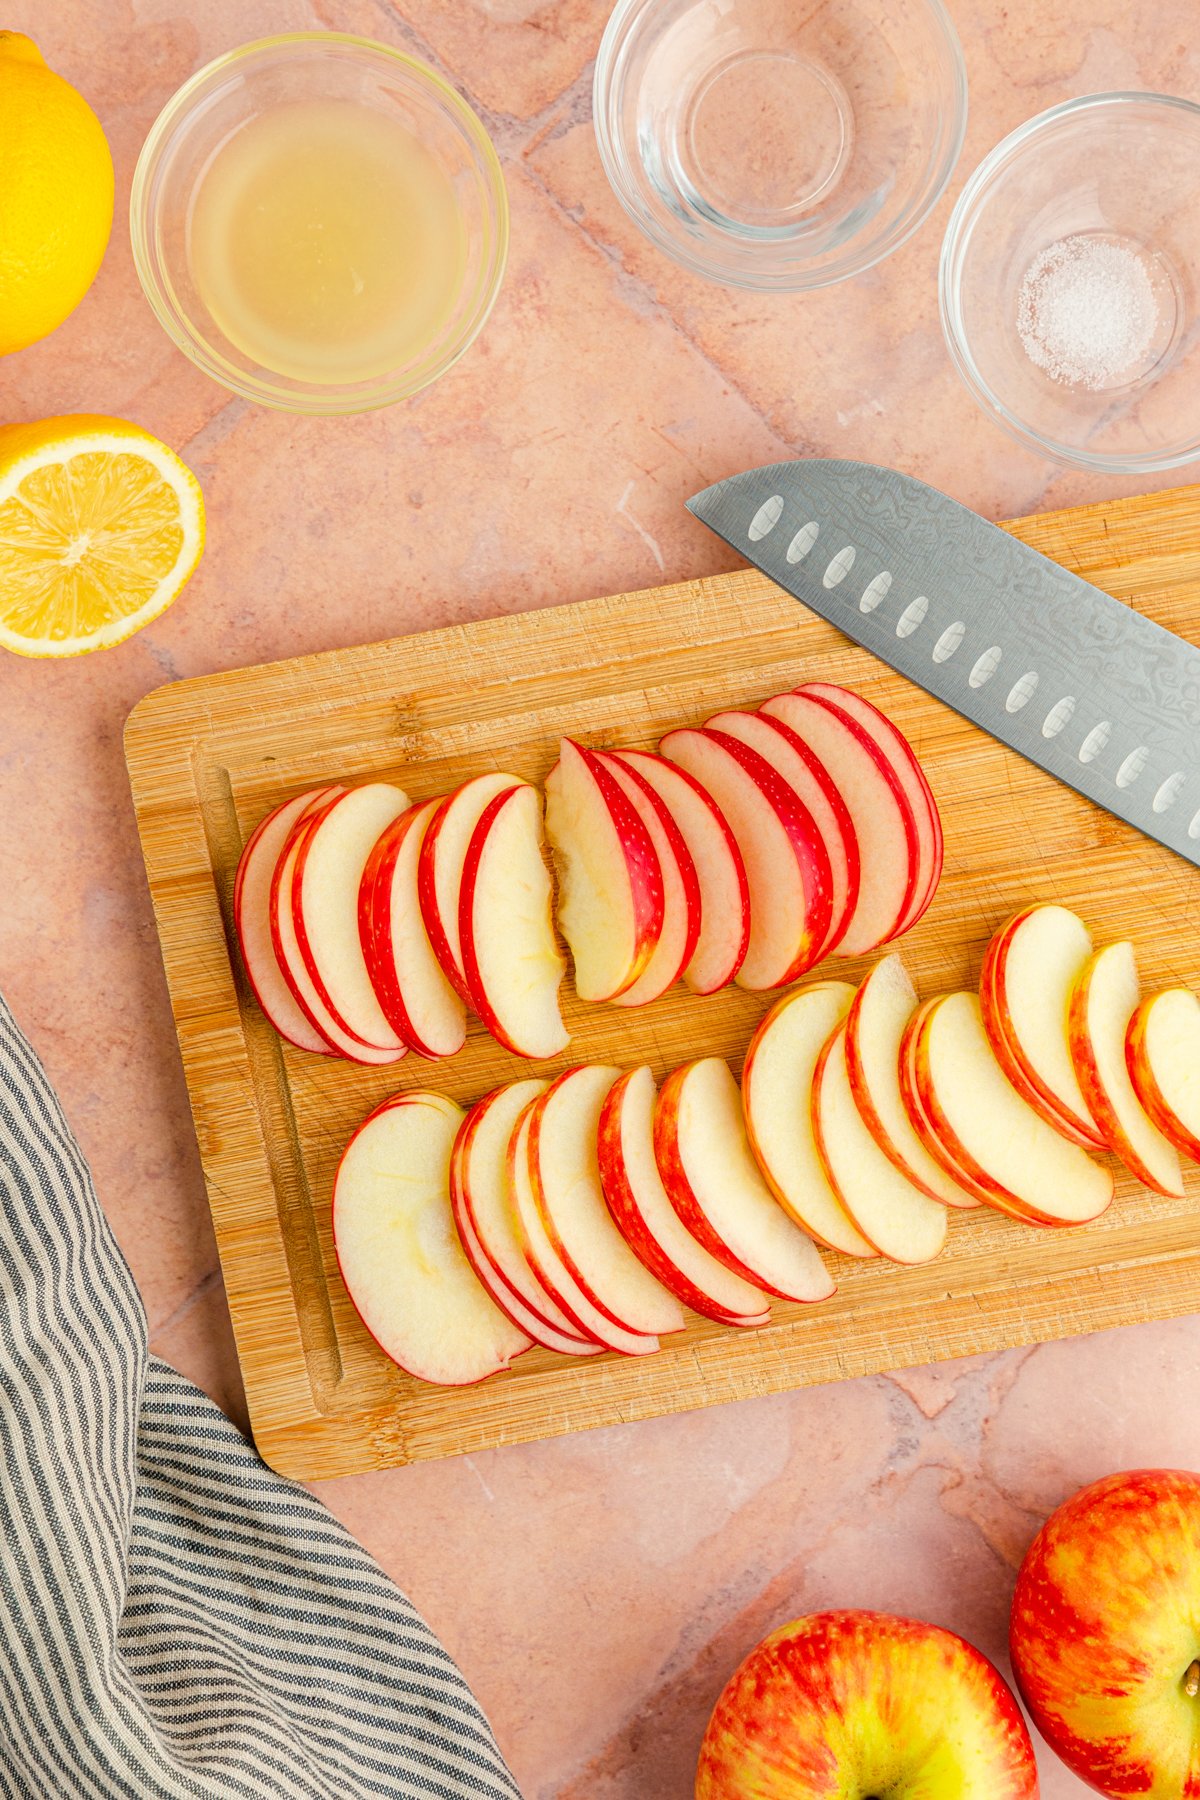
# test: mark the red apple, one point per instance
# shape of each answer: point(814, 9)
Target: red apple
point(610, 905)
point(420, 1004)
point(864, 1706)
point(1105, 1634)
point(681, 886)
point(724, 891)
point(252, 921)
point(440, 867)
point(1103, 1001)
point(1162, 1053)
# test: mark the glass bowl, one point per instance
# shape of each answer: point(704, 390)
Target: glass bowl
point(251, 84)
point(1070, 283)
point(774, 146)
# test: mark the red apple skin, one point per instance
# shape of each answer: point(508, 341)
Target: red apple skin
point(1094, 1092)
point(923, 1123)
point(689, 881)
point(622, 1205)
point(316, 798)
point(306, 824)
point(1147, 1089)
point(374, 929)
point(641, 861)
point(1105, 1634)
point(427, 900)
point(844, 1704)
point(1007, 1051)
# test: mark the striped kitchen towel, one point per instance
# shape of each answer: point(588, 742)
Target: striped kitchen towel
point(176, 1620)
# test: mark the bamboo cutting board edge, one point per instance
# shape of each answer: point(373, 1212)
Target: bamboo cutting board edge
point(205, 756)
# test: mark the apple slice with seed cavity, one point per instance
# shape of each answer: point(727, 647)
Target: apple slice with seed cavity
point(893, 744)
point(284, 940)
point(1029, 970)
point(681, 886)
point(884, 823)
point(811, 781)
point(610, 907)
point(648, 1222)
point(715, 1185)
point(330, 861)
point(776, 1099)
point(724, 891)
point(1103, 1001)
point(875, 1028)
point(440, 867)
point(1016, 1161)
point(547, 1264)
point(482, 1207)
point(892, 1213)
point(399, 1253)
point(1162, 1054)
point(418, 1001)
point(787, 867)
point(506, 934)
point(252, 921)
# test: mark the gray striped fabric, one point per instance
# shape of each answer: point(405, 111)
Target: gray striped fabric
point(175, 1620)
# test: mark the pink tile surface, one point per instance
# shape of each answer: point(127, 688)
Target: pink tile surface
point(597, 1590)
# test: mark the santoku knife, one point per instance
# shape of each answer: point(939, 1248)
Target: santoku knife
point(1082, 685)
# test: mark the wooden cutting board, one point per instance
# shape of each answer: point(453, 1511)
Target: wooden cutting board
point(209, 757)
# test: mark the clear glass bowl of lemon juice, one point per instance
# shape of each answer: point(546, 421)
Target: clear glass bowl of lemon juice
point(319, 222)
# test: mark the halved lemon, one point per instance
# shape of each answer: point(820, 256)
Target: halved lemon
point(100, 527)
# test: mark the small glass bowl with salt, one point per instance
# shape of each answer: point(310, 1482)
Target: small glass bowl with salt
point(1070, 283)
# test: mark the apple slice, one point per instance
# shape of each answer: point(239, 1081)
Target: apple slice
point(330, 861)
point(884, 823)
point(893, 744)
point(648, 1222)
point(548, 1266)
point(480, 1201)
point(418, 1002)
point(681, 886)
point(399, 1253)
point(810, 780)
point(875, 1027)
point(284, 941)
point(510, 954)
point(1016, 1161)
point(923, 1122)
point(564, 1127)
point(776, 1099)
point(610, 907)
point(1029, 970)
point(724, 891)
point(440, 867)
point(714, 1184)
point(252, 922)
point(892, 1213)
point(1103, 1001)
point(787, 868)
point(1162, 1054)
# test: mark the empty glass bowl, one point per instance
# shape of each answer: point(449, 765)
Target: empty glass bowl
point(776, 146)
point(1070, 283)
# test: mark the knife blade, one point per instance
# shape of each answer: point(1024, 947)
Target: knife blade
point(1080, 684)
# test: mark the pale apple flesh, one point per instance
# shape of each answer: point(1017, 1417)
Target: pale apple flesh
point(482, 1207)
point(252, 922)
point(1016, 1161)
point(810, 780)
point(400, 1255)
point(610, 882)
point(1029, 969)
point(865, 1706)
point(1162, 1053)
point(511, 959)
point(724, 891)
point(420, 1004)
point(440, 867)
point(787, 867)
point(926, 1124)
point(875, 1027)
point(326, 880)
point(892, 1213)
point(681, 887)
point(1105, 1634)
point(1103, 1002)
point(638, 1202)
point(716, 1187)
point(777, 1080)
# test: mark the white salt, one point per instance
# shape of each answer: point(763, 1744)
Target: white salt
point(1087, 312)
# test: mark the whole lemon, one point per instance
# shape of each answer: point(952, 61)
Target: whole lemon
point(56, 195)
